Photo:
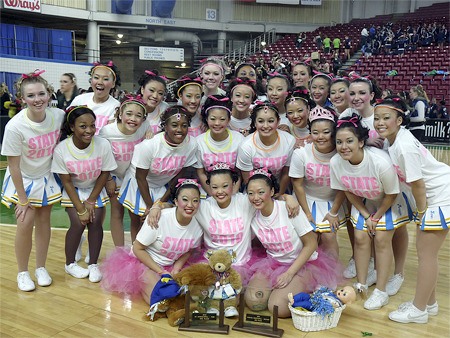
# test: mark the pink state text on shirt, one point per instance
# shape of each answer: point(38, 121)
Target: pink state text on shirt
point(123, 150)
point(275, 164)
point(276, 239)
point(85, 169)
point(100, 121)
point(362, 186)
point(174, 247)
point(167, 165)
point(42, 145)
point(226, 232)
point(318, 173)
point(210, 159)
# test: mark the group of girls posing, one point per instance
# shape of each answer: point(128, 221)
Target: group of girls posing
point(247, 156)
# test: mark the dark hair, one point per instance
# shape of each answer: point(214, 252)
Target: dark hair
point(149, 76)
point(72, 113)
point(271, 181)
point(132, 99)
point(169, 112)
point(216, 101)
point(279, 76)
point(353, 122)
point(113, 69)
point(185, 80)
point(340, 80)
point(321, 76)
point(307, 66)
point(373, 87)
point(301, 93)
point(397, 103)
point(242, 81)
point(210, 173)
point(175, 190)
point(258, 107)
point(238, 68)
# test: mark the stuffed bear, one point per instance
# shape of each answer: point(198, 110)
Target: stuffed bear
point(197, 278)
point(227, 284)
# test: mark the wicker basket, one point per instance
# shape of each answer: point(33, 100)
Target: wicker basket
point(311, 321)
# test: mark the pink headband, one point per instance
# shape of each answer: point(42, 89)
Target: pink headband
point(353, 121)
point(213, 64)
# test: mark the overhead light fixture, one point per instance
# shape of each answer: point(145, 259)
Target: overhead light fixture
point(118, 42)
point(263, 43)
point(183, 64)
point(120, 36)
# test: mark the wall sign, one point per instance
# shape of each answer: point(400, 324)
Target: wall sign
point(161, 53)
point(23, 5)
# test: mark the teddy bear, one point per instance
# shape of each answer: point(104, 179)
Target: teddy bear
point(323, 300)
point(196, 278)
point(227, 284)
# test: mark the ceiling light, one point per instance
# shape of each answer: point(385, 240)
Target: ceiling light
point(263, 43)
point(120, 36)
point(118, 42)
point(183, 64)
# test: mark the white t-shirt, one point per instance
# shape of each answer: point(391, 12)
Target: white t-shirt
point(33, 142)
point(279, 234)
point(254, 154)
point(171, 240)
point(104, 112)
point(196, 127)
point(365, 121)
point(210, 151)
point(153, 119)
point(83, 165)
point(122, 145)
point(413, 161)
point(163, 161)
point(240, 125)
point(372, 178)
point(227, 228)
point(315, 169)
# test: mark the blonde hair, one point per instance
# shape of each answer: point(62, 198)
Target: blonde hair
point(420, 92)
point(30, 79)
point(3, 89)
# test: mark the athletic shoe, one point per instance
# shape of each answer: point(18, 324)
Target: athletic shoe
point(394, 284)
point(79, 252)
point(24, 281)
point(377, 300)
point(42, 276)
point(76, 271)
point(409, 314)
point(371, 277)
point(350, 270)
point(231, 312)
point(432, 310)
point(212, 310)
point(95, 275)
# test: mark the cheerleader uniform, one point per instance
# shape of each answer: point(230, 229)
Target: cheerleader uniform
point(314, 168)
point(122, 147)
point(104, 112)
point(84, 167)
point(413, 161)
point(34, 142)
point(124, 273)
point(371, 179)
point(164, 162)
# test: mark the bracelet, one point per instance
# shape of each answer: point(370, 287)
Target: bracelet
point(88, 202)
point(22, 204)
point(423, 211)
point(82, 213)
point(333, 215)
point(155, 207)
point(366, 218)
point(376, 220)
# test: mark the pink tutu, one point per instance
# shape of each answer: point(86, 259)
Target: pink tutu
point(323, 271)
point(123, 272)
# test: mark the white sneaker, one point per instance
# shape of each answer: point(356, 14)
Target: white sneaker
point(350, 270)
point(212, 310)
point(394, 284)
point(432, 310)
point(88, 257)
point(409, 314)
point(80, 245)
point(42, 276)
point(76, 271)
point(95, 275)
point(24, 281)
point(377, 300)
point(231, 312)
point(371, 277)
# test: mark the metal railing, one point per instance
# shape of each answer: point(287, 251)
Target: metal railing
point(253, 46)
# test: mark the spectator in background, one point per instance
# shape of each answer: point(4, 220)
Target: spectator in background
point(364, 37)
point(300, 38)
point(5, 96)
point(337, 63)
point(347, 46)
point(433, 111)
point(442, 112)
point(336, 45)
point(326, 44)
point(67, 90)
point(318, 41)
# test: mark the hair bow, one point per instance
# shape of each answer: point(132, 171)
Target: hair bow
point(110, 63)
point(36, 73)
point(149, 72)
point(274, 74)
point(303, 91)
point(354, 120)
point(224, 99)
point(396, 99)
point(379, 101)
point(259, 102)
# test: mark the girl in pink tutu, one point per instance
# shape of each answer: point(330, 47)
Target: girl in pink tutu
point(157, 251)
point(292, 263)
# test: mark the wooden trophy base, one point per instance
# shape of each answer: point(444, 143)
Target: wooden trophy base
point(220, 328)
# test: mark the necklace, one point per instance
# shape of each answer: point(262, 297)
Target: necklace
point(41, 130)
point(317, 158)
point(174, 145)
point(79, 156)
point(215, 150)
point(266, 149)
